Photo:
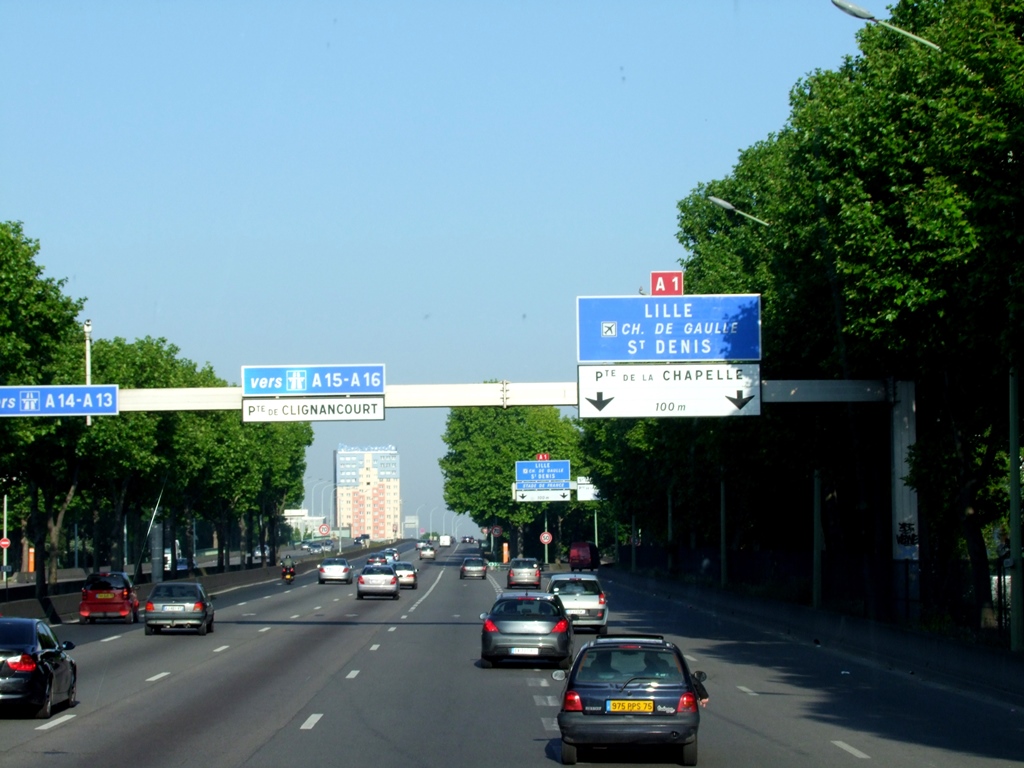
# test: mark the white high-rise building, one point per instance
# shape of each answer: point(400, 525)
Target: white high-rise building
point(368, 491)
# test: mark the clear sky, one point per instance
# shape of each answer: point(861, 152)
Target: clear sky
point(427, 185)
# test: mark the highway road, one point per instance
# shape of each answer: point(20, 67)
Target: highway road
point(306, 674)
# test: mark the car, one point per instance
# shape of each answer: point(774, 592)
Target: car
point(408, 574)
point(421, 544)
point(526, 626)
point(179, 605)
point(334, 569)
point(378, 558)
point(473, 568)
point(392, 554)
point(109, 595)
point(583, 598)
point(36, 671)
point(630, 690)
point(583, 555)
point(428, 553)
point(523, 572)
point(379, 581)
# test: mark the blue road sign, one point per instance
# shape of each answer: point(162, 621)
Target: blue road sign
point(306, 380)
point(542, 475)
point(59, 400)
point(627, 329)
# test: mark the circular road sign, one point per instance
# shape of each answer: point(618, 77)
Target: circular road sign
point(545, 538)
point(496, 530)
point(5, 543)
point(324, 529)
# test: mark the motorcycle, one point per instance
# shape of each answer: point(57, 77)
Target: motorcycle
point(288, 574)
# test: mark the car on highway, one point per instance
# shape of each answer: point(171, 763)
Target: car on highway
point(473, 568)
point(583, 598)
point(523, 572)
point(109, 595)
point(408, 574)
point(421, 544)
point(179, 605)
point(428, 553)
point(526, 626)
point(630, 690)
point(36, 671)
point(335, 569)
point(392, 554)
point(377, 581)
point(377, 558)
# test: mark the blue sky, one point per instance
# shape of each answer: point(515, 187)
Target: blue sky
point(425, 185)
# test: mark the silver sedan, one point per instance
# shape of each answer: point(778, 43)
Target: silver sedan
point(408, 574)
point(335, 569)
point(378, 580)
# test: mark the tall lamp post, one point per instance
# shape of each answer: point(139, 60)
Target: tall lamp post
point(87, 328)
point(430, 529)
point(329, 486)
point(861, 13)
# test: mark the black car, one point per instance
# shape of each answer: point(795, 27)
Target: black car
point(631, 690)
point(526, 626)
point(36, 671)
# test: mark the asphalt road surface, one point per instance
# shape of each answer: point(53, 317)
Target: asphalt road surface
point(306, 674)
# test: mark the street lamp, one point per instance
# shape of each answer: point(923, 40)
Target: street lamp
point(311, 510)
point(430, 529)
point(730, 207)
point(322, 492)
point(861, 13)
point(87, 327)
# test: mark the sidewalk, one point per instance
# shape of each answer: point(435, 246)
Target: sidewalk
point(987, 670)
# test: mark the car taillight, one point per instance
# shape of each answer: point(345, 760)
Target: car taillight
point(23, 663)
point(322, 569)
point(537, 574)
point(394, 579)
point(600, 599)
point(149, 605)
point(572, 702)
point(361, 580)
point(687, 703)
point(198, 606)
point(561, 626)
point(124, 594)
point(490, 626)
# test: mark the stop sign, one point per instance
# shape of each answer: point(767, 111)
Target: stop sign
point(5, 543)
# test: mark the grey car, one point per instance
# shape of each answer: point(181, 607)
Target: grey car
point(583, 598)
point(523, 572)
point(408, 574)
point(473, 568)
point(379, 581)
point(526, 626)
point(335, 569)
point(428, 553)
point(179, 605)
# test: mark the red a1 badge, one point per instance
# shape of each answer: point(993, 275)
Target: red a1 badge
point(666, 283)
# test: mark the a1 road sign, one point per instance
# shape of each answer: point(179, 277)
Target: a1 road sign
point(546, 538)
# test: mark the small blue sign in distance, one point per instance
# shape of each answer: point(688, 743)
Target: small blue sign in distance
point(554, 473)
point(554, 485)
point(59, 400)
point(628, 329)
point(306, 380)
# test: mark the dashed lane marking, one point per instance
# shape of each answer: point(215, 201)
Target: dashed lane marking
point(55, 723)
point(293, 617)
point(265, 629)
point(392, 629)
point(747, 690)
point(538, 682)
point(855, 752)
point(375, 646)
point(550, 723)
point(221, 648)
point(546, 701)
point(112, 637)
point(154, 678)
point(352, 674)
point(310, 722)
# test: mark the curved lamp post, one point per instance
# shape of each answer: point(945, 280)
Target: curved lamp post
point(861, 13)
point(730, 207)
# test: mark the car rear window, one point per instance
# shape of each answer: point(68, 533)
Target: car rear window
point(16, 633)
point(377, 570)
point(575, 587)
point(173, 591)
point(525, 608)
point(110, 581)
point(474, 561)
point(620, 665)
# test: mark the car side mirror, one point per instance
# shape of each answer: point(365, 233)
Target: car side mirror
point(67, 645)
point(699, 676)
point(483, 616)
point(558, 675)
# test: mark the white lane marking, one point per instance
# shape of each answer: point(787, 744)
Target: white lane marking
point(688, 657)
point(375, 646)
point(851, 750)
point(317, 607)
point(352, 674)
point(248, 614)
point(747, 691)
point(108, 639)
point(392, 629)
point(55, 723)
point(265, 629)
point(243, 602)
point(287, 591)
point(550, 723)
point(294, 617)
point(310, 722)
point(266, 597)
point(538, 682)
point(407, 615)
point(154, 678)
point(337, 599)
point(547, 701)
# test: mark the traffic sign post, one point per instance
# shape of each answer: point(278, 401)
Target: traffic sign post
point(671, 390)
point(636, 329)
point(59, 400)
point(324, 529)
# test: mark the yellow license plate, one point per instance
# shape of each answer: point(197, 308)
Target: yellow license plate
point(105, 595)
point(618, 705)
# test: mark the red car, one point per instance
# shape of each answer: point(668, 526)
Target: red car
point(109, 595)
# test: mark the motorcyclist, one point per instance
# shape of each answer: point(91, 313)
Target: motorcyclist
point(287, 566)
